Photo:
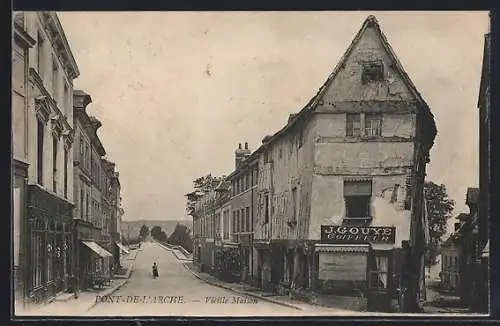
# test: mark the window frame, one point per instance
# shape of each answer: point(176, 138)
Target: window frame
point(369, 118)
point(351, 120)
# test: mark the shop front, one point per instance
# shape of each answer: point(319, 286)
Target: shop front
point(246, 256)
point(93, 261)
point(230, 261)
point(359, 261)
point(48, 245)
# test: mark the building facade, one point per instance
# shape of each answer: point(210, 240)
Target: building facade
point(482, 250)
point(92, 256)
point(22, 42)
point(243, 209)
point(46, 145)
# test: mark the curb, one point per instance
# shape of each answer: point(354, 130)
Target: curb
point(109, 292)
point(242, 292)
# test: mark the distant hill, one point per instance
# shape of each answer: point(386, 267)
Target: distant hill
point(130, 229)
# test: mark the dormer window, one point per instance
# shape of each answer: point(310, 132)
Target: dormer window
point(373, 71)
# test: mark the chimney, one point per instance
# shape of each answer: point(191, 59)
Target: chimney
point(238, 156)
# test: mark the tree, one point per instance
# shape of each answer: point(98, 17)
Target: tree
point(156, 232)
point(439, 210)
point(144, 232)
point(181, 237)
point(201, 186)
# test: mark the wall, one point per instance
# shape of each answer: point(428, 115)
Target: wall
point(388, 162)
point(19, 107)
point(291, 167)
point(63, 107)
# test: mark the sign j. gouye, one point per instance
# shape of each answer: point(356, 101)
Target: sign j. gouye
point(358, 234)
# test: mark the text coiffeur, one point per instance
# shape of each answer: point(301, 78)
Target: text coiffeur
point(358, 234)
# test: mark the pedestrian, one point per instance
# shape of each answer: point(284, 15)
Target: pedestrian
point(155, 271)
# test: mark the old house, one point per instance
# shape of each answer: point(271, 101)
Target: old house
point(48, 147)
point(92, 257)
point(341, 205)
point(243, 199)
point(204, 227)
point(484, 105)
point(450, 266)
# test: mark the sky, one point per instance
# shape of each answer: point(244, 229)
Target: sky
point(177, 91)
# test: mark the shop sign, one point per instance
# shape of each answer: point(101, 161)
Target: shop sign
point(358, 234)
point(339, 266)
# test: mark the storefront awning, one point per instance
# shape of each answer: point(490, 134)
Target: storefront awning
point(97, 249)
point(122, 247)
point(342, 248)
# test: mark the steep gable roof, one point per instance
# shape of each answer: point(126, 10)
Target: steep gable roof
point(370, 23)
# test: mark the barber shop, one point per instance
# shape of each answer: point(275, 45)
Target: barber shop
point(359, 261)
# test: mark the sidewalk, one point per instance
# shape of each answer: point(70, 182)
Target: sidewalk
point(338, 303)
point(67, 305)
point(245, 289)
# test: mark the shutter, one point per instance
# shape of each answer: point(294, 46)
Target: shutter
point(359, 188)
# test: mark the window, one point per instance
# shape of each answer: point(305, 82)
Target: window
point(55, 144)
point(39, 151)
point(233, 224)
point(55, 81)
point(372, 71)
point(300, 138)
point(357, 195)
point(294, 203)
point(266, 157)
point(247, 214)
point(82, 202)
point(353, 125)
point(249, 180)
point(67, 101)
point(373, 124)
point(65, 173)
point(378, 278)
point(87, 205)
point(37, 261)
point(40, 55)
point(266, 208)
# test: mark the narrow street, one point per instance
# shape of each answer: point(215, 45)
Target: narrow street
point(179, 293)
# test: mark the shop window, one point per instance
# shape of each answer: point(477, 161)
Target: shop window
point(379, 277)
point(357, 196)
point(353, 125)
point(373, 124)
point(37, 260)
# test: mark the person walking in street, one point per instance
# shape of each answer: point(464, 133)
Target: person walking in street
point(155, 271)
